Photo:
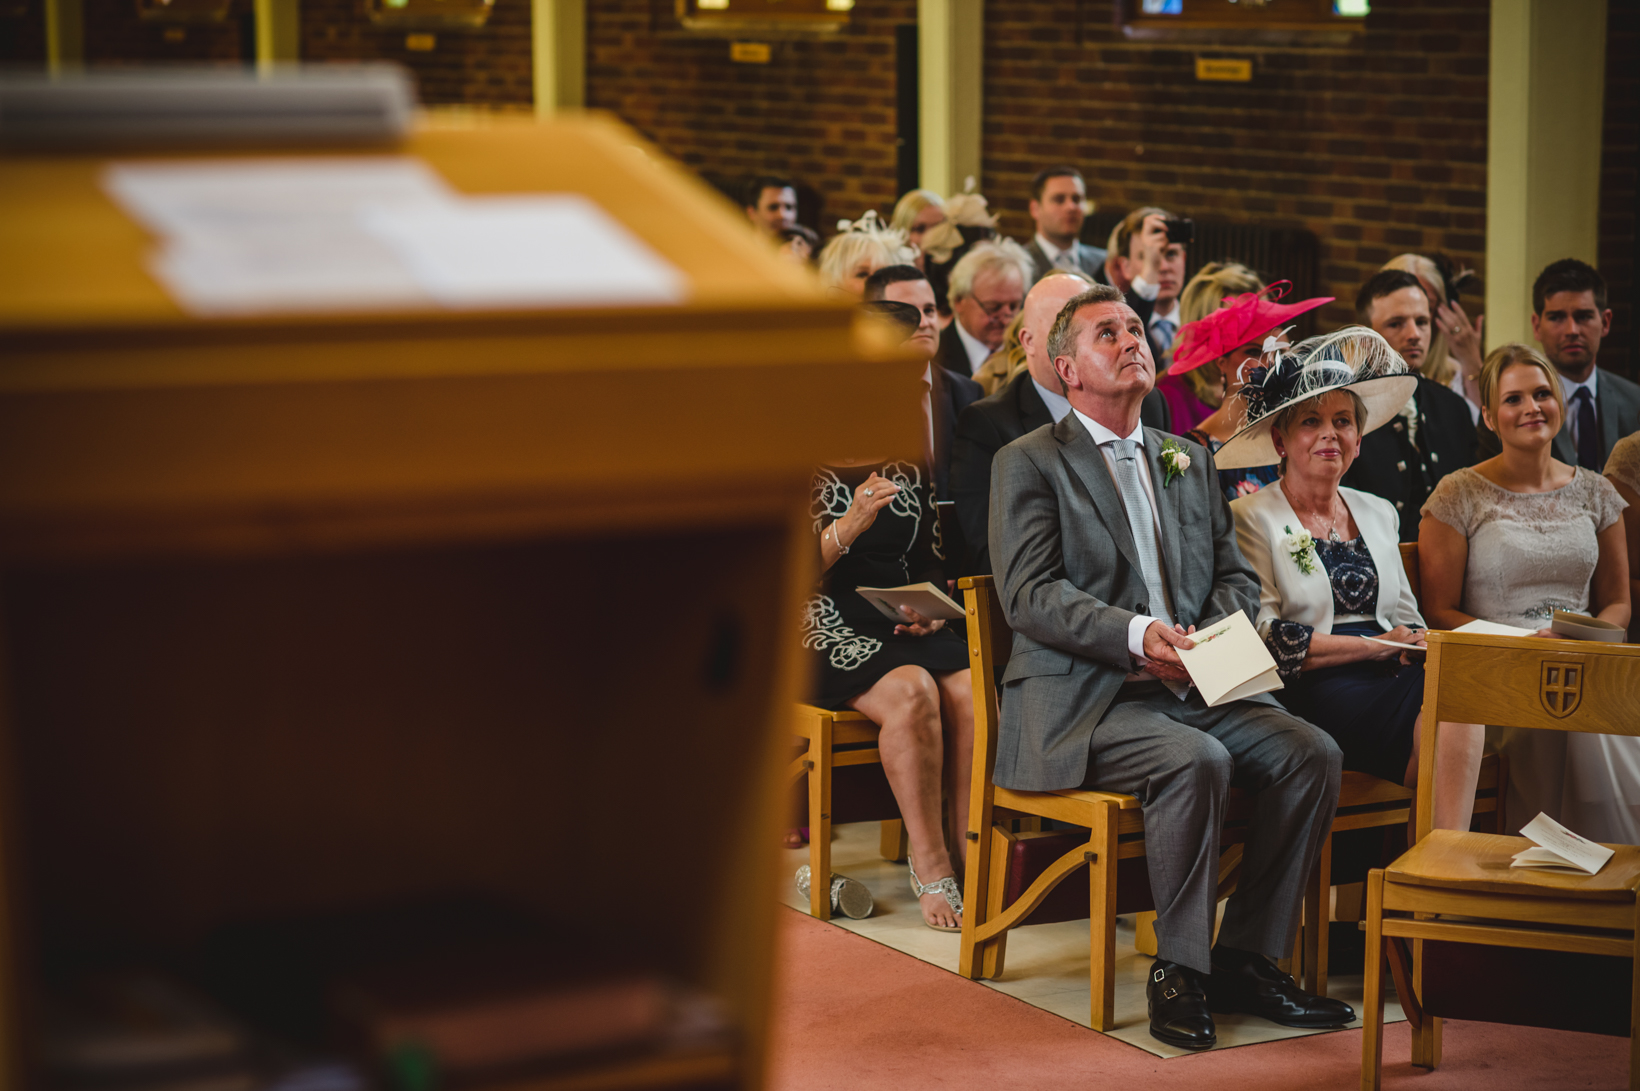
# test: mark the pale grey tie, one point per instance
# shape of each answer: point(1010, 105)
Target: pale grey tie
point(1142, 524)
point(1067, 260)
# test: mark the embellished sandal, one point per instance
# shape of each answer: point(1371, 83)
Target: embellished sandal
point(946, 886)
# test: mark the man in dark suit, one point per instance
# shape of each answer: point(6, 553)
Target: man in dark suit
point(1025, 403)
point(987, 288)
point(1435, 434)
point(948, 395)
point(1107, 554)
point(1149, 270)
point(1569, 319)
point(1059, 205)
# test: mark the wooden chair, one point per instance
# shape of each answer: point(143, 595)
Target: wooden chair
point(1116, 827)
point(1457, 886)
point(835, 739)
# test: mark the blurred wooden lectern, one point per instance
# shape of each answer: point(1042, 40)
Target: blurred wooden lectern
point(304, 613)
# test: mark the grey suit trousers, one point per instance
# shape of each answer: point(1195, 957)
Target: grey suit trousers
point(1180, 758)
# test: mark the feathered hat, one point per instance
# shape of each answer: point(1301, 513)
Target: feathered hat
point(1354, 358)
point(1239, 321)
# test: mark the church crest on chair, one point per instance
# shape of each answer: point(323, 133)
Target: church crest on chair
point(1560, 686)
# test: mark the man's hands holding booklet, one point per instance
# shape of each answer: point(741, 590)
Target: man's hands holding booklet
point(1161, 658)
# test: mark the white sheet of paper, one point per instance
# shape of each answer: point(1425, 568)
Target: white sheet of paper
point(314, 234)
point(1492, 628)
point(1395, 643)
point(514, 251)
point(1564, 848)
point(212, 198)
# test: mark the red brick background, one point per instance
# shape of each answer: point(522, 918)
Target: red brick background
point(822, 110)
point(114, 35)
point(489, 66)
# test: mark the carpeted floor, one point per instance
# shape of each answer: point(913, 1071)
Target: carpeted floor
point(853, 1015)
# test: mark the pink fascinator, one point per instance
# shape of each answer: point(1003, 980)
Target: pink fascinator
point(1239, 321)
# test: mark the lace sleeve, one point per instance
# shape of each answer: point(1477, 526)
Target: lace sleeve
point(1453, 501)
point(1606, 504)
point(1624, 463)
point(1289, 642)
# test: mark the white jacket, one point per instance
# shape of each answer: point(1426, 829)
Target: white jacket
point(1262, 519)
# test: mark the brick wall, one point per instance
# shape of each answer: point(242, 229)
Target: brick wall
point(115, 35)
point(1377, 147)
point(23, 32)
point(1621, 350)
point(489, 66)
point(822, 110)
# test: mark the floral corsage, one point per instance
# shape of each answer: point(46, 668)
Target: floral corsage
point(1175, 461)
point(1301, 548)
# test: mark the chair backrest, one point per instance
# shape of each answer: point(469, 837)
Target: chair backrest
point(1512, 681)
point(990, 643)
point(1415, 580)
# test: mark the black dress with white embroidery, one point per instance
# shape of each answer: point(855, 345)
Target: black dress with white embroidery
point(852, 644)
point(1368, 707)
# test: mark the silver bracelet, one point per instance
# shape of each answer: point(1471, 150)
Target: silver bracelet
point(836, 538)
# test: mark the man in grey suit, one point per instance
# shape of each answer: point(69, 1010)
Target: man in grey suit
point(1059, 204)
point(1107, 555)
point(1569, 319)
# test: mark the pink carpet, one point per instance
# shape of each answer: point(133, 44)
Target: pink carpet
point(853, 1015)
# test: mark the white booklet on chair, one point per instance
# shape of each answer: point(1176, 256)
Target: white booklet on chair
point(1556, 848)
point(1230, 662)
point(925, 598)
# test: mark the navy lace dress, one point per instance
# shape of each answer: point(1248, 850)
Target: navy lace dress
point(1369, 708)
point(851, 645)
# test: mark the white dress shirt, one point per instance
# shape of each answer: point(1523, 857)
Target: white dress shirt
point(1052, 253)
point(1105, 438)
point(978, 351)
point(1569, 388)
point(1056, 402)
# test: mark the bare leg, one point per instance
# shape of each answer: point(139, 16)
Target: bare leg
point(957, 714)
point(905, 704)
point(1457, 768)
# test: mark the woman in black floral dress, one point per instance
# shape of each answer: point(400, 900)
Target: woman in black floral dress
point(876, 526)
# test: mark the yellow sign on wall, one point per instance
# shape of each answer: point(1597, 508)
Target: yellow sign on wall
point(749, 52)
point(1224, 69)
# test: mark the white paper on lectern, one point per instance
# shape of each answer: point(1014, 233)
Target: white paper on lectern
point(1559, 847)
point(266, 235)
point(513, 251)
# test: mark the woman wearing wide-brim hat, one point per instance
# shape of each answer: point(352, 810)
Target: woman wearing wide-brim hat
point(1236, 338)
point(1335, 607)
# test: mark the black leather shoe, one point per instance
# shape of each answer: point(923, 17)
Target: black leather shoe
point(1251, 984)
point(1178, 1007)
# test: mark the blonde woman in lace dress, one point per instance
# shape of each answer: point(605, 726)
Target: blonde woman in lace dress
point(1623, 471)
point(1513, 539)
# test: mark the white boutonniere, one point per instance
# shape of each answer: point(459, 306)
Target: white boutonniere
point(1301, 548)
point(1175, 461)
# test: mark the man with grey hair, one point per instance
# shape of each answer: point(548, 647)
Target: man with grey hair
point(1095, 694)
point(987, 288)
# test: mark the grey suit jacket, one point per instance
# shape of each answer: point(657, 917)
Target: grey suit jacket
point(1090, 259)
point(1616, 405)
point(1069, 579)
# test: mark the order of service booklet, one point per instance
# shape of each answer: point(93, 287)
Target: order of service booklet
point(925, 598)
point(1229, 661)
point(1556, 848)
point(1583, 627)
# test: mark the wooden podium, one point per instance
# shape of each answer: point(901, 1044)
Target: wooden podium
point(314, 612)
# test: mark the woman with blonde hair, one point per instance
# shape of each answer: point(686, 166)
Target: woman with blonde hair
point(1454, 356)
point(1513, 539)
point(917, 211)
point(1193, 395)
point(857, 250)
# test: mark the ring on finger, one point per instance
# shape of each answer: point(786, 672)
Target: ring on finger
point(869, 492)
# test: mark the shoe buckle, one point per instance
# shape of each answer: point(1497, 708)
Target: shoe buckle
point(1158, 975)
point(1169, 994)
